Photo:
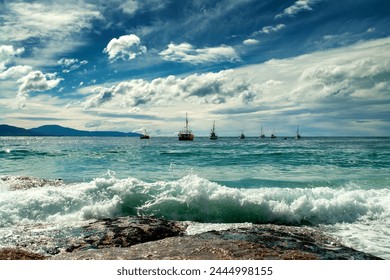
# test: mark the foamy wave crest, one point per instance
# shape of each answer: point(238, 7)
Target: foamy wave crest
point(191, 198)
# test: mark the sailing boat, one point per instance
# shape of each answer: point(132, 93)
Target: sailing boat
point(213, 136)
point(298, 136)
point(273, 135)
point(242, 136)
point(144, 135)
point(186, 134)
point(261, 132)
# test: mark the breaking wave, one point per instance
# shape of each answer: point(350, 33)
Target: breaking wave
point(190, 198)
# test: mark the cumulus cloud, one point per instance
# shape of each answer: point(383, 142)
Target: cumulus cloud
point(186, 53)
point(251, 42)
point(208, 88)
point(16, 72)
point(71, 64)
point(37, 81)
point(101, 95)
point(7, 53)
point(126, 47)
point(298, 6)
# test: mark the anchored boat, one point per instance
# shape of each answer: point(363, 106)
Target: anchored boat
point(213, 135)
point(186, 134)
point(298, 136)
point(144, 135)
point(261, 132)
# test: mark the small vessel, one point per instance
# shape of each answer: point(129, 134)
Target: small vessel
point(213, 136)
point(261, 132)
point(186, 134)
point(144, 135)
point(242, 136)
point(273, 135)
point(298, 136)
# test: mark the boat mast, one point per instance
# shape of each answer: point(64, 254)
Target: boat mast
point(186, 123)
point(261, 132)
point(298, 136)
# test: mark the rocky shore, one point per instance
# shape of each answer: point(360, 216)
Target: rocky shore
point(151, 238)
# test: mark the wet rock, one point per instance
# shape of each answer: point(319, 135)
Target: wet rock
point(18, 254)
point(27, 182)
point(126, 232)
point(289, 242)
point(257, 242)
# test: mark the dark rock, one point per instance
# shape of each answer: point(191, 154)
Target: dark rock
point(137, 238)
point(289, 242)
point(257, 242)
point(126, 232)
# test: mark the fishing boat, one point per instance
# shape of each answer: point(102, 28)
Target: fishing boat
point(298, 136)
point(186, 134)
point(144, 135)
point(261, 132)
point(213, 136)
point(242, 136)
point(273, 135)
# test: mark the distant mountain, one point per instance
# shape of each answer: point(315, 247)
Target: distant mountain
point(57, 130)
point(8, 130)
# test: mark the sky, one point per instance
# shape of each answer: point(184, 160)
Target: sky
point(322, 65)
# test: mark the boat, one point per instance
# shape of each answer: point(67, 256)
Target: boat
point(213, 136)
point(298, 136)
point(144, 135)
point(273, 135)
point(261, 133)
point(186, 134)
point(242, 136)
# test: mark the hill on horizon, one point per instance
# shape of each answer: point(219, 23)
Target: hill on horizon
point(57, 130)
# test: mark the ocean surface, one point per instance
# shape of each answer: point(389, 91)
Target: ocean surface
point(340, 185)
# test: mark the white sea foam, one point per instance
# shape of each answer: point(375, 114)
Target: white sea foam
point(192, 198)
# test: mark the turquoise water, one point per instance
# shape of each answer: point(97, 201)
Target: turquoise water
point(339, 184)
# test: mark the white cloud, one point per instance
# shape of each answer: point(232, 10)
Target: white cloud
point(271, 28)
point(56, 27)
point(66, 62)
point(206, 88)
point(186, 53)
point(37, 81)
point(47, 20)
point(129, 6)
point(251, 42)
point(344, 85)
point(16, 72)
point(126, 47)
point(298, 6)
point(102, 95)
point(7, 54)
point(71, 64)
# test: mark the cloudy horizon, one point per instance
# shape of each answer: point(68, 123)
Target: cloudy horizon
point(130, 65)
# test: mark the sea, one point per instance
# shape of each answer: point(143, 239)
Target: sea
point(338, 185)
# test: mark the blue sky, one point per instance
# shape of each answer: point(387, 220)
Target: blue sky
point(129, 65)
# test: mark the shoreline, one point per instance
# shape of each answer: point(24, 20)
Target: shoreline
point(149, 238)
